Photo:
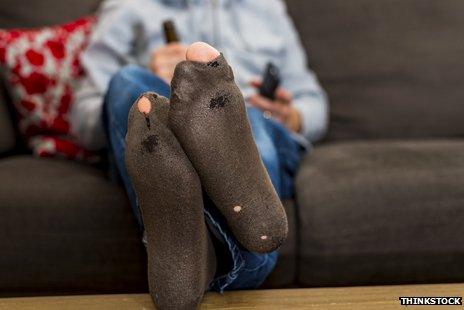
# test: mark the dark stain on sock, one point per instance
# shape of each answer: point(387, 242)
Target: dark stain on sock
point(218, 102)
point(213, 64)
point(150, 143)
point(147, 120)
point(151, 96)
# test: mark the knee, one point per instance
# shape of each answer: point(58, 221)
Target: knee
point(128, 74)
point(124, 81)
point(256, 119)
point(258, 126)
point(270, 161)
point(267, 151)
point(263, 141)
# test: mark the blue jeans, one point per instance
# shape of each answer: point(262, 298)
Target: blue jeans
point(279, 152)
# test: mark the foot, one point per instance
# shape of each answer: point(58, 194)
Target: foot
point(181, 260)
point(208, 117)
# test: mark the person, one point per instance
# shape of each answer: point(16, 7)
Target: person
point(127, 56)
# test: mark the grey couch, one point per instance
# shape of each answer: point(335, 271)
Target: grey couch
point(380, 201)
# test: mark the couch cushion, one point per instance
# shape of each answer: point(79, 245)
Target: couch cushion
point(65, 229)
point(383, 212)
point(41, 68)
point(33, 13)
point(392, 68)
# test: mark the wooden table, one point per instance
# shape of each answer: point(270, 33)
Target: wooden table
point(359, 298)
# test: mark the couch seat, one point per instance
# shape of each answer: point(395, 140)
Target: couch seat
point(382, 212)
point(65, 229)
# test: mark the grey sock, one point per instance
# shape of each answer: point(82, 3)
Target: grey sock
point(208, 117)
point(181, 259)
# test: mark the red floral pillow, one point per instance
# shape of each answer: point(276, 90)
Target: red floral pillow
point(41, 67)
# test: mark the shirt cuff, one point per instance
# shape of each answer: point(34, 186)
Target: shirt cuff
point(314, 117)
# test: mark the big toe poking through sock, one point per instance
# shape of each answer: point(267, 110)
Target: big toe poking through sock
point(181, 259)
point(208, 117)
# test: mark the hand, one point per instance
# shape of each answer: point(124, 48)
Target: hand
point(280, 109)
point(164, 59)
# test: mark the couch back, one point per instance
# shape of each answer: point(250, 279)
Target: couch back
point(392, 68)
point(33, 13)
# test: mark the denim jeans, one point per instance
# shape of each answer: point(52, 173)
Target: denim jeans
point(279, 151)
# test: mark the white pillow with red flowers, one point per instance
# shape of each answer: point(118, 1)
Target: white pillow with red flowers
point(41, 68)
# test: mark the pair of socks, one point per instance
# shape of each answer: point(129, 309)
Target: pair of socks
point(201, 139)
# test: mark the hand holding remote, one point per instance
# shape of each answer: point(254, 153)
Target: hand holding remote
point(165, 58)
point(280, 108)
point(270, 82)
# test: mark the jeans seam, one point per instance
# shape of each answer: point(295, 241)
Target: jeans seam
point(238, 261)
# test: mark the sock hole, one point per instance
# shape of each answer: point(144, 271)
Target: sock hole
point(218, 102)
point(213, 64)
point(150, 143)
point(237, 209)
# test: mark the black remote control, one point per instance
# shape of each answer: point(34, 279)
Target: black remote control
point(170, 33)
point(271, 81)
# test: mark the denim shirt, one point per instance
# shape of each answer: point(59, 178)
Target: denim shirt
point(250, 33)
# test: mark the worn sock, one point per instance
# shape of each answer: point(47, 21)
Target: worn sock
point(208, 116)
point(181, 259)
